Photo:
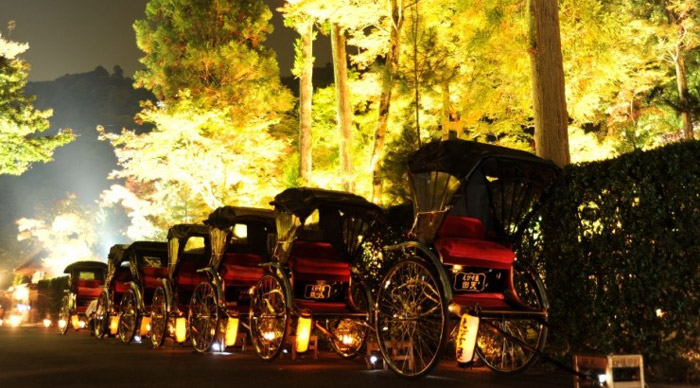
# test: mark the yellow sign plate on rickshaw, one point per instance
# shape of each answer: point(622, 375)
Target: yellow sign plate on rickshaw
point(470, 281)
point(318, 291)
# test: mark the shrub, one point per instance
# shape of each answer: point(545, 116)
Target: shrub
point(618, 250)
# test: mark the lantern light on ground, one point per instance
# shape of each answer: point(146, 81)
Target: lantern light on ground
point(216, 347)
point(15, 320)
point(466, 338)
point(303, 333)
point(74, 321)
point(113, 325)
point(231, 331)
point(137, 339)
point(145, 326)
point(81, 324)
point(180, 330)
point(62, 323)
point(47, 322)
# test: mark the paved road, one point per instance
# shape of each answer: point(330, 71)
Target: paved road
point(37, 357)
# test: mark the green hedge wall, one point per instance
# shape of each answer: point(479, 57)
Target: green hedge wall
point(51, 293)
point(618, 250)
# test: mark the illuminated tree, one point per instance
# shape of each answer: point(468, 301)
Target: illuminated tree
point(68, 232)
point(213, 48)
point(20, 123)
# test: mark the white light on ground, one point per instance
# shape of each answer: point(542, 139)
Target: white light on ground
point(62, 323)
point(216, 347)
point(602, 379)
point(81, 324)
point(373, 359)
point(137, 339)
point(15, 320)
point(47, 322)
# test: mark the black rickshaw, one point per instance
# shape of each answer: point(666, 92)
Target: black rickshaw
point(147, 264)
point(472, 203)
point(117, 282)
point(310, 280)
point(188, 252)
point(85, 280)
point(241, 240)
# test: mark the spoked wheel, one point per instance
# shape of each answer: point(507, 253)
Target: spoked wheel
point(159, 317)
point(128, 317)
point(502, 354)
point(351, 334)
point(203, 317)
point(269, 317)
point(411, 318)
point(101, 323)
point(64, 315)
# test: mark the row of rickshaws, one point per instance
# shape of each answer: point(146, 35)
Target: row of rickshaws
point(275, 278)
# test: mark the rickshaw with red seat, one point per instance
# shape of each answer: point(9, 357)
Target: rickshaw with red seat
point(241, 241)
point(147, 264)
point(309, 281)
point(116, 284)
point(188, 252)
point(472, 204)
point(85, 281)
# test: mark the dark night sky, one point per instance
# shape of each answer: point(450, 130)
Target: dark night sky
point(75, 36)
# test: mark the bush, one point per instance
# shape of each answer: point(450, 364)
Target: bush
point(618, 250)
point(51, 293)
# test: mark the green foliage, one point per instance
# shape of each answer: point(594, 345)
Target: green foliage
point(619, 253)
point(20, 123)
point(214, 49)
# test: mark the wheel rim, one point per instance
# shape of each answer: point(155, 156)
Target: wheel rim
point(159, 317)
point(128, 316)
point(502, 354)
point(100, 325)
point(203, 317)
point(64, 314)
point(411, 319)
point(269, 317)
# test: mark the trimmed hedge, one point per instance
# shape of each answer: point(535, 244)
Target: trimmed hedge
point(618, 250)
point(51, 293)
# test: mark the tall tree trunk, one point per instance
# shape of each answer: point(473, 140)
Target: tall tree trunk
point(682, 83)
point(446, 110)
point(549, 100)
point(392, 62)
point(340, 74)
point(305, 98)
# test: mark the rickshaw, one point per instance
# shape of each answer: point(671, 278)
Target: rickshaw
point(147, 264)
point(241, 240)
point(319, 236)
point(116, 283)
point(85, 280)
point(472, 203)
point(188, 252)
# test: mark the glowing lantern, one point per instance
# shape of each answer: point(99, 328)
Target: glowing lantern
point(180, 329)
point(62, 323)
point(303, 334)
point(231, 331)
point(81, 324)
point(145, 326)
point(47, 322)
point(113, 325)
point(269, 335)
point(15, 320)
point(466, 338)
point(74, 321)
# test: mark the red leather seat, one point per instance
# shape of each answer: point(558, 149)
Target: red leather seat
point(317, 261)
point(461, 241)
point(241, 269)
point(474, 253)
point(89, 288)
point(151, 276)
point(190, 280)
point(120, 287)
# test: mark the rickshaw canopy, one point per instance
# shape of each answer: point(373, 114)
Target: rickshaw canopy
point(343, 219)
point(85, 266)
point(181, 231)
point(500, 186)
point(227, 216)
point(115, 257)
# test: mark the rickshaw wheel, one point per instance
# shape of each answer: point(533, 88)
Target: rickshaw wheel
point(411, 318)
point(203, 317)
point(269, 317)
point(357, 331)
point(159, 317)
point(64, 314)
point(128, 317)
point(101, 317)
point(503, 355)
